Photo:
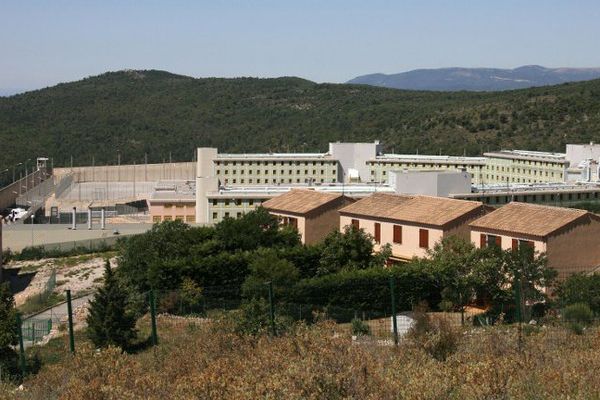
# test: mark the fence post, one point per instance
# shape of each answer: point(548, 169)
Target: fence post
point(271, 309)
point(21, 347)
point(70, 314)
point(394, 321)
point(33, 333)
point(153, 318)
point(518, 303)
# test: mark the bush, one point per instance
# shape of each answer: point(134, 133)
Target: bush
point(360, 328)
point(581, 288)
point(253, 318)
point(436, 336)
point(579, 313)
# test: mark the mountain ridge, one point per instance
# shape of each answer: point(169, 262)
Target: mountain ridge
point(162, 114)
point(477, 79)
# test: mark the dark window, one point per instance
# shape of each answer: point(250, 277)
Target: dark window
point(377, 232)
point(356, 224)
point(424, 238)
point(397, 234)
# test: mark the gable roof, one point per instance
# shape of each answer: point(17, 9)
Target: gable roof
point(301, 201)
point(427, 210)
point(528, 219)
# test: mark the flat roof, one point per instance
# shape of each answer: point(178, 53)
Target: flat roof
point(274, 156)
point(428, 158)
point(262, 191)
point(528, 155)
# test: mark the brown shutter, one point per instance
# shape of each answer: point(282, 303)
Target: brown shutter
point(482, 241)
point(397, 233)
point(515, 244)
point(424, 238)
point(499, 241)
point(377, 232)
point(356, 223)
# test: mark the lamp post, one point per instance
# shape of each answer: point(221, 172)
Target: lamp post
point(32, 217)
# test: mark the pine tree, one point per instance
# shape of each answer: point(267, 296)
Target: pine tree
point(8, 330)
point(108, 321)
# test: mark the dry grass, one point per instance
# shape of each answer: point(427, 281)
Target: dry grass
point(204, 360)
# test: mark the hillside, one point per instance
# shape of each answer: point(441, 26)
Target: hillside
point(478, 79)
point(156, 112)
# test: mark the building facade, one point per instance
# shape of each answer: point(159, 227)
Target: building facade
point(411, 225)
point(569, 238)
point(520, 166)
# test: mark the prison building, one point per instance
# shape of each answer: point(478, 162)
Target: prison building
point(521, 166)
point(173, 201)
point(411, 225)
point(570, 238)
point(381, 166)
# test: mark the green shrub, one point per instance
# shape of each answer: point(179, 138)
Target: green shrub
point(360, 328)
point(579, 313)
point(581, 288)
point(436, 336)
point(253, 318)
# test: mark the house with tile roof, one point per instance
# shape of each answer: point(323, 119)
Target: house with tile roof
point(411, 224)
point(313, 213)
point(570, 238)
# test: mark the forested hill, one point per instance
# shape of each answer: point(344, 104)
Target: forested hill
point(156, 112)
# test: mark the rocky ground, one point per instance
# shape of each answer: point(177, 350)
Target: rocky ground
point(80, 274)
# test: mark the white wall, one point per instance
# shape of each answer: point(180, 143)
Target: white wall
point(354, 155)
point(430, 183)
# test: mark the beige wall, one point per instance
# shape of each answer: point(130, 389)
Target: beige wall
point(506, 240)
point(185, 211)
point(410, 236)
point(576, 249)
point(301, 225)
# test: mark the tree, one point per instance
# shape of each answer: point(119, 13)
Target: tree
point(268, 267)
point(351, 249)
point(9, 335)
point(580, 288)
point(108, 321)
point(255, 229)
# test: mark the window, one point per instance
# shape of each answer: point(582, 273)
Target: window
point(355, 223)
point(179, 205)
point(251, 202)
point(214, 215)
point(190, 219)
point(226, 202)
point(179, 218)
point(227, 215)
point(377, 232)
point(238, 202)
point(293, 222)
point(424, 238)
point(489, 240)
point(168, 205)
point(168, 218)
point(156, 218)
point(214, 202)
point(397, 233)
point(239, 215)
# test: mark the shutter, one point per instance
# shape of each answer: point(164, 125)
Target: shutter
point(499, 241)
point(482, 241)
point(515, 244)
point(397, 234)
point(424, 238)
point(377, 232)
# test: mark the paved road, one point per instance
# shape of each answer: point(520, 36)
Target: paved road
point(18, 236)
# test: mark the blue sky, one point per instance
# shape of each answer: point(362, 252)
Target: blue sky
point(46, 42)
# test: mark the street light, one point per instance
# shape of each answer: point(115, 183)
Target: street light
point(32, 217)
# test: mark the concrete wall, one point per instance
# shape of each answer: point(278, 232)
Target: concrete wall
point(130, 173)
point(409, 247)
point(430, 183)
point(577, 153)
point(355, 156)
point(576, 249)
point(9, 194)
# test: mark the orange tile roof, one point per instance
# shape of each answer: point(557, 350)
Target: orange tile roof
point(418, 209)
point(300, 201)
point(528, 219)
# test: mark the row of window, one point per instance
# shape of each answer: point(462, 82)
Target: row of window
point(186, 218)
point(237, 202)
point(178, 205)
point(533, 198)
point(518, 170)
point(486, 240)
point(274, 163)
point(397, 234)
point(234, 181)
point(266, 172)
point(423, 165)
point(227, 214)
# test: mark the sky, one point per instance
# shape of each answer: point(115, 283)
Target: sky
point(43, 43)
